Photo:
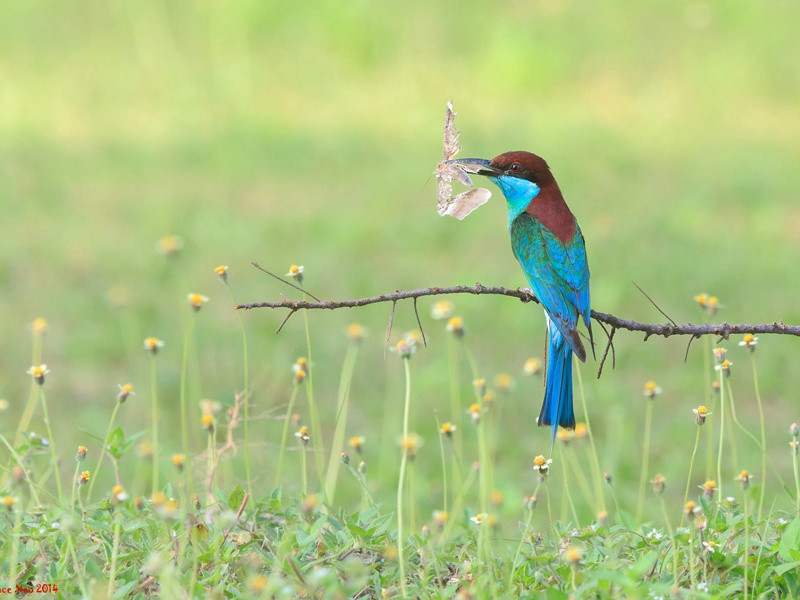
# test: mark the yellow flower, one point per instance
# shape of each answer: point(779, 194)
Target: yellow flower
point(39, 325)
point(504, 382)
point(38, 372)
point(207, 421)
point(355, 332)
point(159, 499)
point(8, 502)
point(441, 310)
point(659, 484)
point(440, 517)
point(125, 390)
point(299, 375)
point(170, 245)
point(542, 466)
point(118, 493)
point(691, 510)
point(712, 304)
point(84, 477)
point(309, 503)
point(564, 436)
point(480, 386)
point(479, 518)
point(81, 454)
point(573, 555)
point(709, 487)
point(651, 389)
point(455, 325)
point(719, 354)
point(410, 445)
point(178, 461)
point(404, 349)
point(356, 442)
point(744, 479)
point(749, 341)
point(700, 414)
point(169, 510)
point(303, 435)
point(496, 498)
point(702, 300)
point(257, 583)
point(532, 366)
point(196, 300)
point(153, 345)
point(448, 429)
point(296, 273)
point(222, 273)
point(475, 412)
point(581, 431)
point(724, 367)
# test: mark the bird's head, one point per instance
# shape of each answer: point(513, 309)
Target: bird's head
point(520, 175)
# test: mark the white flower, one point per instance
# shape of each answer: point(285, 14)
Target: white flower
point(702, 586)
point(654, 535)
point(479, 518)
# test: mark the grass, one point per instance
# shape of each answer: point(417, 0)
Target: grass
point(271, 134)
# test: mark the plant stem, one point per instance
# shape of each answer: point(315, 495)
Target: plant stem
point(674, 541)
point(154, 410)
point(114, 554)
point(746, 541)
point(56, 470)
point(721, 432)
point(648, 421)
point(342, 403)
point(763, 439)
point(400, 481)
point(444, 465)
point(691, 469)
point(312, 405)
point(184, 411)
point(522, 539)
point(285, 433)
point(598, 476)
point(796, 478)
point(102, 452)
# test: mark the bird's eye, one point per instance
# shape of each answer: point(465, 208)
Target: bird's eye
point(516, 168)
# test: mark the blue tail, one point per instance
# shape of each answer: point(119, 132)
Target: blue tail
point(557, 407)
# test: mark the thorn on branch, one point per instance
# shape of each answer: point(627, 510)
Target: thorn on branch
point(419, 323)
point(389, 328)
point(609, 345)
point(291, 312)
point(689, 345)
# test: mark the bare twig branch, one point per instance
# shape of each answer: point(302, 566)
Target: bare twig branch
point(722, 330)
point(419, 324)
point(610, 344)
point(653, 302)
point(281, 279)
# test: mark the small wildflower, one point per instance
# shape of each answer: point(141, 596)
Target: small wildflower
point(532, 366)
point(794, 430)
point(170, 245)
point(344, 458)
point(303, 435)
point(602, 517)
point(84, 477)
point(410, 444)
point(504, 382)
point(441, 310)
point(749, 341)
point(529, 502)
point(794, 445)
point(702, 300)
point(356, 442)
point(196, 300)
point(296, 419)
point(207, 421)
point(711, 547)
point(480, 386)
point(440, 517)
point(178, 460)
point(475, 412)
point(730, 502)
point(296, 273)
point(702, 586)
point(712, 304)
point(404, 349)
point(355, 332)
point(654, 535)
point(39, 325)
point(725, 367)
point(8, 502)
point(153, 345)
point(222, 273)
point(299, 376)
point(659, 484)
point(146, 449)
point(159, 499)
point(744, 479)
point(210, 407)
point(309, 503)
point(118, 493)
point(448, 429)
point(700, 414)
point(488, 399)
point(496, 498)
point(169, 510)
point(362, 467)
point(125, 390)
point(81, 454)
point(573, 555)
point(609, 478)
point(542, 466)
point(479, 518)
point(709, 487)
point(719, 354)
point(257, 583)
point(651, 389)
point(565, 436)
point(715, 386)
point(455, 325)
point(691, 510)
point(38, 372)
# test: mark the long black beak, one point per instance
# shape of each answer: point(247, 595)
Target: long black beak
point(476, 166)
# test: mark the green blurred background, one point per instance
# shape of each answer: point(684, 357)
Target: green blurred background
point(307, 133)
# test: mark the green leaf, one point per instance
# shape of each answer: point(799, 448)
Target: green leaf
point(781, 569)
point(236, 497)
point(790, 540)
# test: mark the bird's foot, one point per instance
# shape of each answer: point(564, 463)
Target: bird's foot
point(529, 295)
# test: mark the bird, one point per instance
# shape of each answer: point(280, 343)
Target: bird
point(549, 246)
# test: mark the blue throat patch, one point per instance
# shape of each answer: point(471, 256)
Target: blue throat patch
point(518, 193)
